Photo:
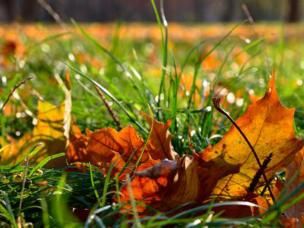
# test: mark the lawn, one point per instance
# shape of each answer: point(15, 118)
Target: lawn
point(58, 84)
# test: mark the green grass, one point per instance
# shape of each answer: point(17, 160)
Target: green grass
point(134, 75)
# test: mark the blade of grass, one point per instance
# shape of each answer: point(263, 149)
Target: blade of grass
point(62, 215)
point(106, 185)
point(133, 202)
point(200, 59)
point(93, 183)
point(6, 209)
point(164, 36)
point(113, 58)
point(112, 97)
point(45, 213)
point(42, 163)
point(214, 205)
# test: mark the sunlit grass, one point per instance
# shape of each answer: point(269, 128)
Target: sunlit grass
point(129, 72)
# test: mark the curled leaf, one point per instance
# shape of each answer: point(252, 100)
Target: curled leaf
point(159, 142)
point(108, 146)
point(123, 149)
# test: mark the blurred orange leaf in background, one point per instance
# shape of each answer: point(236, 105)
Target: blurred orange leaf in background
point(48, 131)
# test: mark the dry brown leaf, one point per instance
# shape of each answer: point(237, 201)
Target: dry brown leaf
point(149, 185)
point(108, 146)
point(159, 143)
point(124, 150)
point(295, 172)
point(126, 147)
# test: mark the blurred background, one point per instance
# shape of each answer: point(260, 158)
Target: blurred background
point(141, 10)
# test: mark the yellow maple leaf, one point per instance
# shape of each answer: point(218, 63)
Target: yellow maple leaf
point(49, 131)
point(268, 125)
point(49, 120)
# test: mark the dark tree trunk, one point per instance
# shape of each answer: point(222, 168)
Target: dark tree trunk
point(293, 11)
point(228, 14)
point(8, 5)
point(28, 10)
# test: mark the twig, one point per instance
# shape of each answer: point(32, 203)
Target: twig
point(259, 173)
point(247, 13)
point(110, 110)
point(266, 185)
point(48, 8)
point(216, 103)
point(13, 90)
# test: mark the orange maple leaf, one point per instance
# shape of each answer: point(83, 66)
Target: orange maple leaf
point(123, 149)
point(269, 128)
point(151, 163)
point(108, 146)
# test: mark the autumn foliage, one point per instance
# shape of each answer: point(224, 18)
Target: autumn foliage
point(154, 175)
point(151, 174)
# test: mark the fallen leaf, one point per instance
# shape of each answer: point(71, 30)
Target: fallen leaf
point(48, 131)
point(290, 222)
point(269, 127)
point(225, 170)
point(149, 185)
point(159, 142)
point(49, 120)
point(295, 173)
point(174, 183)
point(117, 148)
point(125, 147)
point(51, 132)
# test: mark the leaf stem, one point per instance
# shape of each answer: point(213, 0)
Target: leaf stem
point(163, 24)
point(258, 174)
point(110, 110)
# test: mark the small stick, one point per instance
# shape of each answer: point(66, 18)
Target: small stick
point(216, 103)
point(110, 110)
point(258, 174)
point(267, 184)
point(13, 90)
point(49, 9)
point(247, 13)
